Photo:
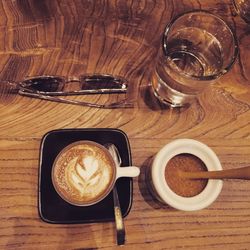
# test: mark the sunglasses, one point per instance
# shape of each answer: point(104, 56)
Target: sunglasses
point(52, 88)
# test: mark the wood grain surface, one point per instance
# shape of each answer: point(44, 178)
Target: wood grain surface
point(74, 37)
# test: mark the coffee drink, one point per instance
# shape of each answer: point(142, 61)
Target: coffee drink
point(83, 173)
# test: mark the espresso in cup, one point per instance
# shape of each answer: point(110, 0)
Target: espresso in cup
point(83, 173)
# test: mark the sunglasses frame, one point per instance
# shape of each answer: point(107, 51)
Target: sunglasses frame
point(120, 85)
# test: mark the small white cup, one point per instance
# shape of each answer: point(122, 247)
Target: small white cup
point(162, 191)
point(63, 162)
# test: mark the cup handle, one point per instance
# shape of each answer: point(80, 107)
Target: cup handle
point(130, 171)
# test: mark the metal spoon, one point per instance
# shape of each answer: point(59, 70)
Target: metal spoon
point(120, 228)
point(237, 173)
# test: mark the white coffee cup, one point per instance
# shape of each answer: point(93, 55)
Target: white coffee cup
point(159, 187)
point(85, 172)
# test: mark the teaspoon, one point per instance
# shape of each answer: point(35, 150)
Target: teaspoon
point(120, 228)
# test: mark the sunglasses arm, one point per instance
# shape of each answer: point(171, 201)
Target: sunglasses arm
point(121, 104)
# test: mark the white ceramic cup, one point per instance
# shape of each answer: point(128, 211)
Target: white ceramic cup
point(162, 191)
point(62, 169)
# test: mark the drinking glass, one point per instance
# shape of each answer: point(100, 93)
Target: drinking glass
point(197, 48)
point(243, 9)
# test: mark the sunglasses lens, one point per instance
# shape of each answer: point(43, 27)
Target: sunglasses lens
point(103, 82)
point(44, 84)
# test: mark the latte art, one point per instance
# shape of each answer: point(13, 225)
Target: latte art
point(83, 173)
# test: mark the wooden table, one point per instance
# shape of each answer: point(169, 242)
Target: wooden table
point(70, 38)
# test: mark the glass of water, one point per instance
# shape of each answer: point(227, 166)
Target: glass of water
point(197, 48)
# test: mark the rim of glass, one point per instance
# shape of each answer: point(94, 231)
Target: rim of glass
point(223, 70)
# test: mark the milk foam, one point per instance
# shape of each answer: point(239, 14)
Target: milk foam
point(85, 177)
point(83, 173)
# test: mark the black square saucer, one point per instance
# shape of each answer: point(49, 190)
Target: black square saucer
point(52, 208)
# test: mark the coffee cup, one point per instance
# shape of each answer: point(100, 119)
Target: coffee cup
point(84, 173)
point(161, 187)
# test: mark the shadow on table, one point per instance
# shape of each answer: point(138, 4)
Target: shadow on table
point(144, 189)
point(150, 100)
point(154, 104)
